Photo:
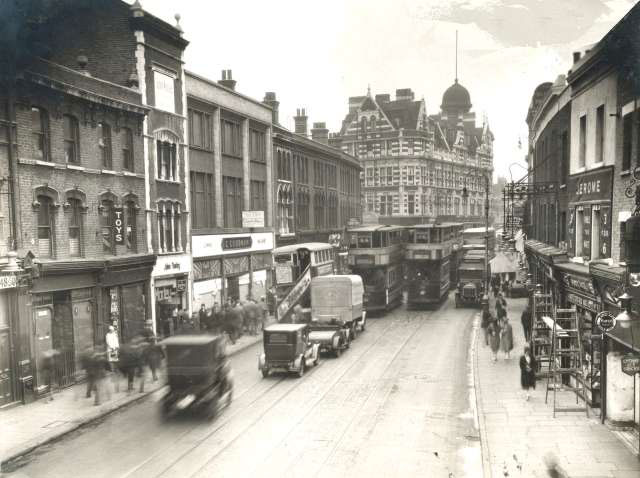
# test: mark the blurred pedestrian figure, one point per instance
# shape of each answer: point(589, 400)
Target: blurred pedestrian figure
point(93, 361)
point(505, 287)
point(525, 318)
point(486, 320)
point(113, 346)
point(506, 337)
point(48, 365)
point(252, 314)
point(527, 370)
point(494, 339)
point(554, 470)
point(233, 323)
point(204, 318)
point(265, 312)
point(297, 316)
point(131, 362)
point(153, 355)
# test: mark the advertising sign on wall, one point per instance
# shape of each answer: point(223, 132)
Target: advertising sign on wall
point(118, 225)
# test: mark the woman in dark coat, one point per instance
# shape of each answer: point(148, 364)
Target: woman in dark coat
point(527, 370)
point(494, 339)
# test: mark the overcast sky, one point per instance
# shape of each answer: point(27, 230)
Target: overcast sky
point(317, 54)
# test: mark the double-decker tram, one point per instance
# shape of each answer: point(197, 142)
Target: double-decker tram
point(295, 265)
point(375, 254)
point(427, 261)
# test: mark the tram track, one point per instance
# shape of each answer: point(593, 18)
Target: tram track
point(294, 385)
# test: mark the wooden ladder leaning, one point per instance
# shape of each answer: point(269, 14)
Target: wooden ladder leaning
point(566, 361)
point(540, 332)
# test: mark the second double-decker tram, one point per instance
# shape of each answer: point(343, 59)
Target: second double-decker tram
point(375, 254)
point(427, 263)
point(295, 265)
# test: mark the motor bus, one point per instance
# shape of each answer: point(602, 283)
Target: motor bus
point(427, 263)
point(376, 255)
point(294, 266)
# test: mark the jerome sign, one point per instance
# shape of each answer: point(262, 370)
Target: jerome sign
point(118, 224)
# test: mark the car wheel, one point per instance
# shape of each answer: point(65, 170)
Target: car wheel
point(338, 352)
point(302, 367)
point(354, 331)
point(265, 372)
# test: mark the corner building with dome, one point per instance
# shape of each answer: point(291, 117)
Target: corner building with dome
point(415, 165)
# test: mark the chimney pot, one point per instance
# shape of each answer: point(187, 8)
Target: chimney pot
point(576, 56)
point(271, 101)
point(227, 80)
point(300, 122)
point(320, 133)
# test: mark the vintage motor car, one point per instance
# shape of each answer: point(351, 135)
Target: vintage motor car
point(287, 348)
point(199, 375)
point(471, 273)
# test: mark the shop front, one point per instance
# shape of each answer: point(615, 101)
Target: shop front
point(171, 292)
point(543, 260)
point(578, 291)
point(15, 363)
point(230, 267)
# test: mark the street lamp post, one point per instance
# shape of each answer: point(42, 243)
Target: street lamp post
point(486, 235)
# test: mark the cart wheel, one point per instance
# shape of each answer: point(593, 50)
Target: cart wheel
point(265, 372)
point(302, 367)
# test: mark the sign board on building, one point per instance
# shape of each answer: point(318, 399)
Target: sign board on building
point(605, 320)
point(118, 225)
point(172, 265)
point(233, 243)
point(8, 281)
point(252, 219)
point(595, 185)
point(211, 245)
point(181, 284)
point(631, 364)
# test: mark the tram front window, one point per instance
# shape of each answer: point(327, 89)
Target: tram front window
point(364, 241)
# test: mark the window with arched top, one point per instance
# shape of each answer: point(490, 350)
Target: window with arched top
point(363, 125)
point(372, 123)
point(131, 209)
point(75, 225)
point(46, 225)
point(107, 226)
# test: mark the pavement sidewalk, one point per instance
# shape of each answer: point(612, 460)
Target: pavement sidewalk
point(516, 434)
point(27, 427)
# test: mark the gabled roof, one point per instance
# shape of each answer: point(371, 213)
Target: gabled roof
point(403, 114)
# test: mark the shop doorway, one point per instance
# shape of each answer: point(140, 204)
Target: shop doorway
point(6, 395)
point(233, 288)
point(43, 340)
point(62, 339)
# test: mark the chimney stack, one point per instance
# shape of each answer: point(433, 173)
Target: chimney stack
point(576, 57)
point(227, 80)
point(383, 98)
point(320, 133)
point(271, 101)
point(300, 121)
point(404, 94)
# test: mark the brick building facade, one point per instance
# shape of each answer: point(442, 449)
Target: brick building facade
point(416, 166)
point(97, 166)
point(578, 248)
point(317, 186)
point(231, 171)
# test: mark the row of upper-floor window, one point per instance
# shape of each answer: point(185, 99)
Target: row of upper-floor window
point(231, 140)
point(290, 167)
point(422, 175)
point(412, 203)
point(552, 152)
point(41, 139)
point(117, 226)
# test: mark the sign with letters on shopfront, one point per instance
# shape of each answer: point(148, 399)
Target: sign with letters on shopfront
point(594, 185)
point(118, 225)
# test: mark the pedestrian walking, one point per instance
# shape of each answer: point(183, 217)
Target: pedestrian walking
point(93, 361)
point(484, 323)
point(506, 337)
point(525, 318)
point(553, 468)
point(113, 346)
point(48, 369)
point(131, 362)
point(527, 370)
point(494, 339)
point(264, 312)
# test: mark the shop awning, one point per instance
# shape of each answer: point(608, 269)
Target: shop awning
point(628, 337)
point(501, 264)
point(548, 252)
point(574, 268)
